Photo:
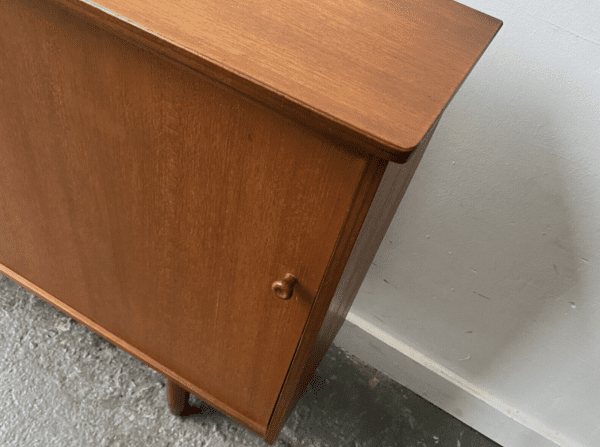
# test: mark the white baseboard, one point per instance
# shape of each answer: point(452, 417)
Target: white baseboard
point(468, 403)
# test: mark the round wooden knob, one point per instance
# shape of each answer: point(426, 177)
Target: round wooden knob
point(284, 289)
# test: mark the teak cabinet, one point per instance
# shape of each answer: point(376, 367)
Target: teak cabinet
point(205, 183)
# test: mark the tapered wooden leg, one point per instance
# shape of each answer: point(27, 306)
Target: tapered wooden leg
point(177, 398)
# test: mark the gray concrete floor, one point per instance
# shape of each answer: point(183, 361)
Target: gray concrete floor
point(63, 385)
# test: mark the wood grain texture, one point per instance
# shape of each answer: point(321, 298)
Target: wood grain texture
point(163, 167)
point(305, 359)
point(377, 74)
point(162, 205)
point(171, 375)
point(383, 205)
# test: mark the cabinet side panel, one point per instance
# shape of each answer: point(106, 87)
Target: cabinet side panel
point(161, 205)
point(368, 230)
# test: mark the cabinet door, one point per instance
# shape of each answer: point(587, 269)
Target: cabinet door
point(161, 205)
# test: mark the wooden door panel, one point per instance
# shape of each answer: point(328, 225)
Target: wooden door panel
point(162, 205)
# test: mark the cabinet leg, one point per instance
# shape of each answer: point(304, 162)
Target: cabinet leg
point(177, 398)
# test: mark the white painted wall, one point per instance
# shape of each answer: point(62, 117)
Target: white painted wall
point(484, 293)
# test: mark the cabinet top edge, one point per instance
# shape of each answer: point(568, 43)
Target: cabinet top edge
point(376, 73)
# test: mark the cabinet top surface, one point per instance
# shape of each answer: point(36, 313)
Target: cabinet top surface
point(385, 70)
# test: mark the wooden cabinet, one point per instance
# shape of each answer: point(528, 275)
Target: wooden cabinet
point(163, 165)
